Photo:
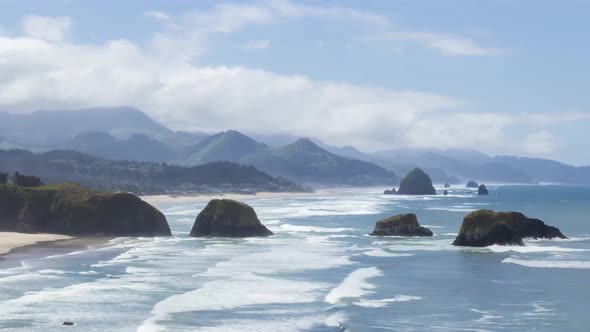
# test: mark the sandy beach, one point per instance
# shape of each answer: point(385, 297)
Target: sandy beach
point(11, 240)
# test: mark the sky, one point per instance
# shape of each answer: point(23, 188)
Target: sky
point(498, 76)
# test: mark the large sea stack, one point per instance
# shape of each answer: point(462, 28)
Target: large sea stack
point(485, 227)
point(400, 225)
point(417, 182)
point(228, 218)
point(471, 184)
point(74, 210)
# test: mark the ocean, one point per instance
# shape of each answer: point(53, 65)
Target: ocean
point(320, 272)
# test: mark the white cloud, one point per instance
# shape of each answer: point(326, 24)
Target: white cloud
point(43, 73)
point(257, 44)
point(540, 143)
point(157, 15)
point(47, 28)
point(446, 44)
point(231, 17)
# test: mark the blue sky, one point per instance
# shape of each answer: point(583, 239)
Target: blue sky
point(504, 77)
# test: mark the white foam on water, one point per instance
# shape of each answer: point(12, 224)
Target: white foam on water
point(531, 248)
point(383, 253)
point(570, 239)
point(554, 264)
point(312, 256)
point(313, 229)
point(336, 319)
point(26, 277)
point(384, 302)
point(322, 206)
point(354, 285)
point(419, 244)
point(282, 324)
point(246, 289)
point(433, 226)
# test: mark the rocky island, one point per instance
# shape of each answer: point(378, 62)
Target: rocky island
point(482, 190)
point(416, 182)
point(471, 184)
point(228, 218)
point(485, 227)
point(400, 225)
point(73, 210)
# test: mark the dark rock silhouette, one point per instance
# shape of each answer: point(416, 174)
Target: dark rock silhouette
point(228, 218)
point(416, 182)
point(74, 210)
point(447, 185)
point(390, 192)
point(400, 225)
point(471, 184)
point(485, 227)
point(482, 190)
point(445, 193)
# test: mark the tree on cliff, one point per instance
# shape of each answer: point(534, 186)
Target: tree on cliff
point(26, 180)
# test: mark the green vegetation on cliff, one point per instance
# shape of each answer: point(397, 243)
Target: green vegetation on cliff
point(486, 227)
point(73, 210)
point(141, 177)
point(400, 225)
point(226, 217)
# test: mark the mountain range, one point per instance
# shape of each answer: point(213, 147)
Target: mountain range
point(126, 133)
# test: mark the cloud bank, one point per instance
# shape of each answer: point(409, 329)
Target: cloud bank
point(42, 69)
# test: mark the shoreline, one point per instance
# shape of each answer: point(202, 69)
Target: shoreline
point(11, 242)
point(206, 197)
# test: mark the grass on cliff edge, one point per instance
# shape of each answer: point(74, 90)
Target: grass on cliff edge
point(69, 192)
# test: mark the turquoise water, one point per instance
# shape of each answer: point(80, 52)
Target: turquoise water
point(320, 272)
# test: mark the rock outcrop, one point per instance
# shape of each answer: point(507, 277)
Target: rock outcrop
point(471, 184)
point(74, 210)
point(447, 185)
point(390, 192)
point(400, 225)
point(485, 227)
point(417, 182)
point(228, 218)
point(482, 190)
point(445, 193)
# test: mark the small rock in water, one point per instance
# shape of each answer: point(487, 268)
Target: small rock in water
point(400, 225)
point(445, 193)
point(68, 323)
point(390, 192)
point(482, 190)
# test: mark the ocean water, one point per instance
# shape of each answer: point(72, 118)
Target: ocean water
point(320, 272)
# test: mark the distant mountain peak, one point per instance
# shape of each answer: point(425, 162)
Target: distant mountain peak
point(307, 144)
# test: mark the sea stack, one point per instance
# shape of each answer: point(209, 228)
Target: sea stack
point(485, 227)
point(471, 184)
point(417, 182)
point(400, 225)
point(390, 192)
point(445, 193)
point(447, 185)
point(482, 190)
point(228, 218)
point(73, 210)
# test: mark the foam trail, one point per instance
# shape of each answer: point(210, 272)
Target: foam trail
point(556, 264)
point(354, 285)
point(385, 302)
